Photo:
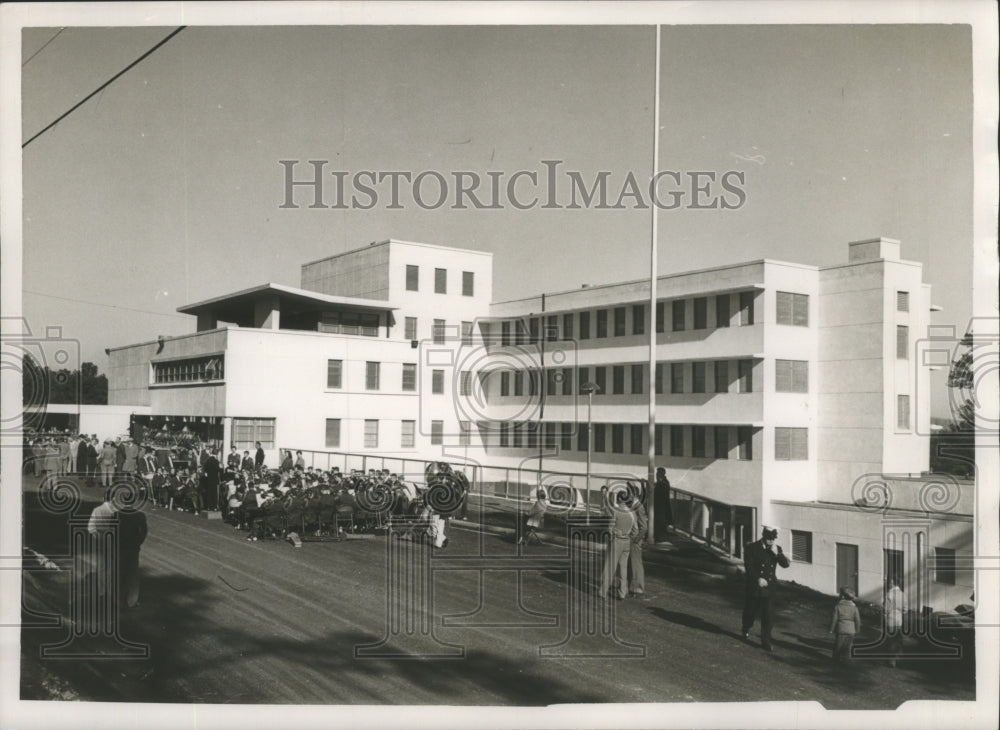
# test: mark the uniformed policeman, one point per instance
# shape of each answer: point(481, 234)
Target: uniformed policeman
point(761, 559)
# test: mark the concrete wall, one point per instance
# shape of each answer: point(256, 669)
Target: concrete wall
point(871, 532)
point(360, 273)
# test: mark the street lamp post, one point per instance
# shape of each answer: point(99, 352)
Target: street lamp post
point(589, 389)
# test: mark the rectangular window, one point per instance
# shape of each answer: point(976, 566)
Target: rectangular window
point(438, 332)
point(902, 301)
point(903, 412)
point(333, 433)
point(465, 383)
point(602, 323)
point(410, 328)
point(698, 377)
point(584, 325)
point(371, 433)
point(658, 439)
point(744, 443)
point(745, 376)
point(532, 429)
point(551, 381)
point(792, 309)
point(407, 434)
point(533, 331)
point(721, 376)
point(618, 379)
point(567, 381)
point(437, 382)
point(637, 378)
point(192, 370)
point(566, 436)
point(504, 434)
point(601, 380)
point(517, 435)
point(599, 430)
point(677, 441)
point(466, 333)
point(638, 319)
point(440, 281)
point(464, 432)
point(802, 546)
point(437, 433)
point(412, 278)
point(334, 373)
point(660, 317)
point(698, 441)
point(409, 376)
point(567, 328)
point(372, 372)
point(677, 320)
point(659, 378)
point(468, 283)
point(349, 323)
point(701, 313)
point(944, 566)
point(504, 382)
point(584, 378)
point(676, 377)
point(722, 310)
point(721, 434)
point(791, 444)
point(746, 308)
point(619, 321)
point(533, 377)
point(520, 332)
point(902, 342)
point(791, 376)
point(518, 382)
point(549, 434)
point(552, 328)
point(635, 438)
point(618, 438)
point(505, 333)
point(581, 437)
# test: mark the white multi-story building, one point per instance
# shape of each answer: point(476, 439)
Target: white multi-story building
point(786, 394)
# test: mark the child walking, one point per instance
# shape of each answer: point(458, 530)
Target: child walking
point(846, 622)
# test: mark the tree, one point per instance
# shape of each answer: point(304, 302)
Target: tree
point(953, 449)
point(42, 385)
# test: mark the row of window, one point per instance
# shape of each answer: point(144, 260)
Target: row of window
point(192, 370)
point(945, 567)
point(792, 309)
point(439, 331)
point(349, 323)
point(440, 280)
point(407, 433)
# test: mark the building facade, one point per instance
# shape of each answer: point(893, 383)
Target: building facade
point(779, 387)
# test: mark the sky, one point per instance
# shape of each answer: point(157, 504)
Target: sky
point(166, 188)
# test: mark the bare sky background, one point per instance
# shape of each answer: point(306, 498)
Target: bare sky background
point(165, 188)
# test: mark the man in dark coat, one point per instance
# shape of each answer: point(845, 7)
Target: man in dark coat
point(132, 530)
point(211, 471)
point(761, 561)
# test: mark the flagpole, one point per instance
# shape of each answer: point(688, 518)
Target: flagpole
point(651, 381)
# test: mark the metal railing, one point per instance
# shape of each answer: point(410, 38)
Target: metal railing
point(721, 525)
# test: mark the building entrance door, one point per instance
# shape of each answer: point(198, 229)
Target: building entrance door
point(847, 566)
point(892, 568)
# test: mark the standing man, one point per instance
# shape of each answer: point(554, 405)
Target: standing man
point(131, 534)
point(74, 447)
point(147, 468)
point(64, 456)
point(761, 561)
point(211, 470)
point(233, 462)
point(623, 529)
point(663, 514)
point(258, 459)
point(637, 586)
point(131, 457)
point(109, 456)
point(300, 462)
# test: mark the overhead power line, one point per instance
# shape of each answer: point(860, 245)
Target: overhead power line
point(99, 304)
point(42, 48)
point(103, 86)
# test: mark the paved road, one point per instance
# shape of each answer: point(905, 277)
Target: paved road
point(228, 621)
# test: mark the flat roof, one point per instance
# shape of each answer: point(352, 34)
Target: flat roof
point(387, 241)
point(301, 299)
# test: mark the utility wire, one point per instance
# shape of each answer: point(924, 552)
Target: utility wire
point(43, 47)
point(102, 87)
point(112, 306)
